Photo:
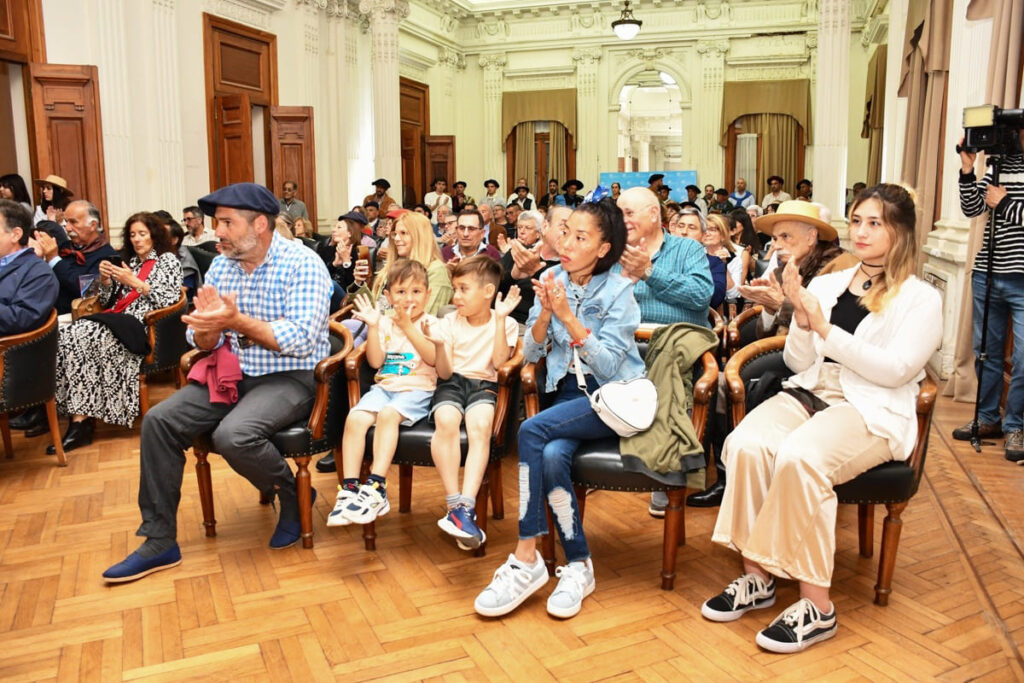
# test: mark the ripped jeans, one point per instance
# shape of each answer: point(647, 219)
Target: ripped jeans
point(547, 443)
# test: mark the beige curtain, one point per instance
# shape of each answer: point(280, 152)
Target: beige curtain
point(538, 105)
point(874, 114)
point(923, 82)
point(526, 151)
point(557, 151)
point(740, 98)
point(1001, 89)
point(778, 133)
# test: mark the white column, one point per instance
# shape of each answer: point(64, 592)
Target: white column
point(947, 247)
point(385, 16)
point(445, 115)
point(118, 153)
point(708, 111)
point(644, 160)
point(831, 102)
point(588, 162)
point(894, 131)
point(493, 66)
point(170, 148)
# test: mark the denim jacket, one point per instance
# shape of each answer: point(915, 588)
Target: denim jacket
point(612, 315)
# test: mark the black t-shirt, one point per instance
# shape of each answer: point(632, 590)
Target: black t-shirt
point(847, 314)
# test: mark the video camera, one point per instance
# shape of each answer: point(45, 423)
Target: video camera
point(992, 130)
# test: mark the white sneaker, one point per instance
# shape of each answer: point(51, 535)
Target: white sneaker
point(335, 518)
point(368, 505)
point(575, 582)
point(513, 582)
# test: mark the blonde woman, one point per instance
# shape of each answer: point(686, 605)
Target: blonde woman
point(859, 344)
point(737, 260)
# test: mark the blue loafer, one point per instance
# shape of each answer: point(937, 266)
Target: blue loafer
point(135, 567)
point(288, 531)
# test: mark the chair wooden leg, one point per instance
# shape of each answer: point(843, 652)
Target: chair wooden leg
point(674, 519)
point(482, 494)
point(304, 487)
point(58, 444)
point(143, 395)
point(205, 489)
point(581, 499)
point(5, 430)
point(404, 488)
point(497, 492)
point(547, 543)
point(891, 528)
point(179, 379)
point(866, 528)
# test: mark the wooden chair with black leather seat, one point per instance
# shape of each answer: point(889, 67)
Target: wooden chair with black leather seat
point(742, 329)
point(300, 441)
point(414, 442)
point(28, 378)
point(598, 464)
point(167, 344)
point(892, 484)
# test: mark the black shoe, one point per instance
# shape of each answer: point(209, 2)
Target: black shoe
point(30, 419)
point(748, 592)
point(985, 431)
point(797, 628)
point(708, 498)
point(326, 463)
point(79, 434)
point(38, 430)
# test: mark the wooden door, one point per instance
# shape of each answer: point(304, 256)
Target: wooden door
point(21, 31)
point(66, 136)
point(293, 154)
point(233, 135)
point(440, 154)
point(414, 114)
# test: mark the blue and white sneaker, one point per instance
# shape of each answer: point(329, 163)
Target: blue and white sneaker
point(345, 496)
point(369, 504)
point(460, 524)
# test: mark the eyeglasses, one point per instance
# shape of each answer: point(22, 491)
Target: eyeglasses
point(467, 228)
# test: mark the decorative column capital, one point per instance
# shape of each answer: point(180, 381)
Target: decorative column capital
point(712, 49)
point(493, 62)
point(453, 59)
point(587, 56)
point(314, 4)
point(379, 10)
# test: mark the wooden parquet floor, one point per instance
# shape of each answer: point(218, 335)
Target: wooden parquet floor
point(236, 610)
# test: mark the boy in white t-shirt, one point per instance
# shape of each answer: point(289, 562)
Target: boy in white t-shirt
point(401, 394)
point(472, 343)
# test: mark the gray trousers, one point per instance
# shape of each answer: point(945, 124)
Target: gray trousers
point(241, 434)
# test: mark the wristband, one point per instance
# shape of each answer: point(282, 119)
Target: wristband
point(576, 343)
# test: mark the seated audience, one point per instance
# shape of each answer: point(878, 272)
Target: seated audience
point(583, 304)
point(55, 197)
point(570, 196)
point(284, 225)
point(859, 347)
point(460, 199)
point(100, 355)
point(195, 227)
point(77, 264)
point(403, 387)
point(775, 194)
point(551, 197)
point(437, 198)
point(531, 253)
point(741, 197)
point(471, 344)
point(469, 239)
point(491, 198)
point(721, 203)
point(691, 223)
point(278, 333)
point(521, 195)
point(12, 187)
point(737, 260)
point(385, 202)
point(191, 278)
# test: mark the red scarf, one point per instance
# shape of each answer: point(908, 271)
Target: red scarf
point(126, 300)
point(80, 252)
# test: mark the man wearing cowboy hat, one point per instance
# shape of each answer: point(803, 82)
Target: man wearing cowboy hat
point(264, 305)
point(492, 197)
point(522, 198)
point(570, 198)
point(381, 196)
point(775, 194)
point(515, 197)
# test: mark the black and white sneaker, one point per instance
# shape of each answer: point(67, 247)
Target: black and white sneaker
point(748, 592)
point(797, 628)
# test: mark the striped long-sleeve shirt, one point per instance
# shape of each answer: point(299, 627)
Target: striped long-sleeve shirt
point(1009, 253)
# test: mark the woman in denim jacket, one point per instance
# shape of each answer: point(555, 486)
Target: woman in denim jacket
point(579, 304)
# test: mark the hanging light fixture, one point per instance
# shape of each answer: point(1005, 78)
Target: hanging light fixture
point(626, 26)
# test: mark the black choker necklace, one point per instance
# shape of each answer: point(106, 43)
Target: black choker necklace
point(870, 281)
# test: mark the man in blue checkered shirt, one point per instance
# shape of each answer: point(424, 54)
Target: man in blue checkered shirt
point(268, 298)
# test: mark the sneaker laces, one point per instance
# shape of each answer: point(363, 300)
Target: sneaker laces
point(507, 576)
point(743, 588)
point(796, 617)
point(571, 580)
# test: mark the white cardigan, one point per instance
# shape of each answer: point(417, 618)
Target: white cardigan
point(882, 361)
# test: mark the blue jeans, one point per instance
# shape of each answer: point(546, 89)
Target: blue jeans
point(1007, 301)
point(547, 444)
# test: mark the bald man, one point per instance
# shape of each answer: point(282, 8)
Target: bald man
point(673, 281)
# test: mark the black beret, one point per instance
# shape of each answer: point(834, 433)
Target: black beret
point(656, 176)
point(492, 181)
point(355, 216)
point(460, 182)
point(380, 182)
point(665, 188)
point(241, 196)
point(693, 187)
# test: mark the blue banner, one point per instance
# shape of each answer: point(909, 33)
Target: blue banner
point(677, 180)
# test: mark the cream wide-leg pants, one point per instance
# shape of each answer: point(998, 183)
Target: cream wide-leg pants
point(779, 509)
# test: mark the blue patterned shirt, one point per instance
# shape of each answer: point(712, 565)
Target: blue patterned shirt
point(292, 291)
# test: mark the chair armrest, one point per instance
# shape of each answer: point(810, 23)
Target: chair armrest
point(508, 373)
point(30, 336)
point(734, 383)
point(732, 330)
point(925, 407)
point(532, 376)
point(342, 313)
point(156, 314)
point(190, 358)
point(703, 390)
point(324, 373)
point(353, 361)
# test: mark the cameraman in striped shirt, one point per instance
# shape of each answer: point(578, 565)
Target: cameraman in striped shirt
point(1006, 201)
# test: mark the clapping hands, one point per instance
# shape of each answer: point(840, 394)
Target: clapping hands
point(364, 310)
point(505, 306)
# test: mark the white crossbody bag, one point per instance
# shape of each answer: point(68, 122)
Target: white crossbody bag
point(628, 407)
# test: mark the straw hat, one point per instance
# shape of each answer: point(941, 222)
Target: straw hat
point(56, 181)
point(801, 212)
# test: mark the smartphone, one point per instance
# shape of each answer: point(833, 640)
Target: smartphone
point(115, 260)
point(364, 252)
